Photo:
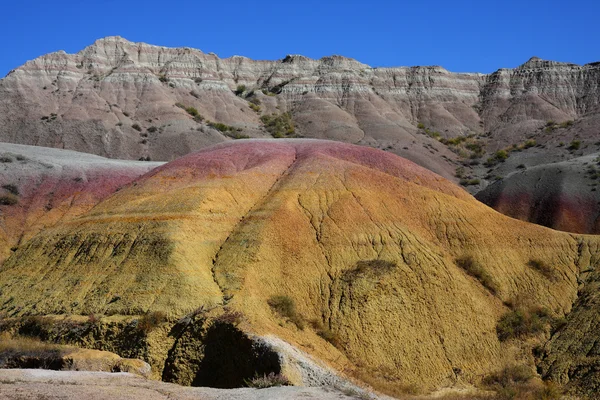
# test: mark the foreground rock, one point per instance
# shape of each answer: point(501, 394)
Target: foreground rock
point(36, 384)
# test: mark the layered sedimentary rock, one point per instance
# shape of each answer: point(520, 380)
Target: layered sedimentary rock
point(116, 98)
point(364, 243)
point(41, 187)
point(560, 195)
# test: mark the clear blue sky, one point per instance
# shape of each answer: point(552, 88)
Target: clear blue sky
point(462, 36)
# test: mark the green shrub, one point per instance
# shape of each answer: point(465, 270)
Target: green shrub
point(267, 381)
point(286, 308)
point(192, 111)
point(240, 90)
point(256, 108)
point(530, 143)
point(522, 323)
point(221, 127)
point(11, 188)
point(501, 155)
point(420, 126)
point(279, 126)
point(151, 321)
point(575, 145)
point(566, 124)
point(473, 268)
point(516, 382)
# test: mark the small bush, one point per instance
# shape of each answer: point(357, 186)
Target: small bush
point(240, 90)
point(516, 382)
point(192, 111)
point(420, 126)
point(8, 200)
point(521, 323)
point(267, 381)
point(230, 317)
point(501, 155)
point(11, 188)
point(478, 272)
point(6, 159)
point(530, 143)
point(575, 145)
point(163, 78)
point(279, 126)
point(236, 135)
point(566, 124)
point(286, 308)
point(151, 321)
point(325, 333)
point(137, 127)
point(255, 107)
point(221, 127)
point(543, 269)
point(152, 129)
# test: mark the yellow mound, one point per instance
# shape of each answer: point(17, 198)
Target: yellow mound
point(239, 224)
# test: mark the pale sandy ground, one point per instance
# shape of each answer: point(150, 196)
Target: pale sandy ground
point(21, 384)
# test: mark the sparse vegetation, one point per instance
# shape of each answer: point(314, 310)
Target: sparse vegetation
point(521, 323)
point(11, 188)
point(325, 333)
point(255, 107)
point(364, 267)
point(222, 127)
point(286, 308)
point(163, 78)
point(137, 127)
point(575, 145)
point(470, 182)
point(420, 125)
point(152, 129)
point(230, 317)
point(267, 381)
point(473, 268)
point(6, 159)
point(517, 382)
point(279, 126)
point(240, 90)
point(543, 269)
point(8, 200)
point(566, 124)
point(151, 321)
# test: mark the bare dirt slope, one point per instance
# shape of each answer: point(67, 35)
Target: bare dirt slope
point(402, 275)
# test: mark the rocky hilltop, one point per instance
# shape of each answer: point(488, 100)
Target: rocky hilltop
point(130, 100)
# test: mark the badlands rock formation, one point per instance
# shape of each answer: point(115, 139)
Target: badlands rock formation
point(376, 253)
point(41, 187)
point(560, 195)
point(117, 99)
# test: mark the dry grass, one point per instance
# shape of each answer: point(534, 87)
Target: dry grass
point(266, 381)
point(544, 269)
point(473, 268)
point(286, 308)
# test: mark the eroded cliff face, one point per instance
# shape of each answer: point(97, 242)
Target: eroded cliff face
point(364, 243)
point(117, 98)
